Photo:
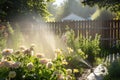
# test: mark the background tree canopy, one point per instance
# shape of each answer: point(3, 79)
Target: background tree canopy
point(112, 5)
point(74, 6)
point(11, 9)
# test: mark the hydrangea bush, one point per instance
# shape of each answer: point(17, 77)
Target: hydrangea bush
point(24, 64)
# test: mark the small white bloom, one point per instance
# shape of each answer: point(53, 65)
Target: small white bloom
point(58, 52)
point(49, 65)
point(30, 66)
point(17, 52)
point(56, 73)
point(6, 63)
point(12, 74)
point(68, 77)
point(16, 65)
point(22, 48)
point(44, 60)
point(69, 71)
point(7, 52)
point(32, 45)
point(40, 55)
point(60, 77)
point(70, 50)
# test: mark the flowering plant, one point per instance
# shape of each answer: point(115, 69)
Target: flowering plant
point(26, 65)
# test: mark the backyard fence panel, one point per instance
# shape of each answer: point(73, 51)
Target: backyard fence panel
point(114, 32)
point(59, 29)
point(76, 27)
point(109, 30)
point(83, 28)
point(63, 27)
point(119, 29)
point(56, 27)
point(79, 28)
point(91, 28)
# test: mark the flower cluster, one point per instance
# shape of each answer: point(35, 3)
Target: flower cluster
point(24, 64)
point(7, 52)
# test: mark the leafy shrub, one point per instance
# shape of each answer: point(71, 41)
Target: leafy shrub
point(90, 46)
point(114, 71)
point(25, 65)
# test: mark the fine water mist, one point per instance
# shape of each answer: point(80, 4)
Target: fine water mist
point(42, 36)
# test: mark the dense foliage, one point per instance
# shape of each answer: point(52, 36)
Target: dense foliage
point(102, 14)
point(108, 4)
point(112, 5)
point(114, 71)
point(74, 6)
point(25, 64)
point(85, 47)
point(11, 9)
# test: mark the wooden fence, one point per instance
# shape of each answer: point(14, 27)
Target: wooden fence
point(109, 30)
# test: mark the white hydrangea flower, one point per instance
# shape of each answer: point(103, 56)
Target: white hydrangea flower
point(12, 74)
point(7, 52)
point(30, 66)
point(49, 65)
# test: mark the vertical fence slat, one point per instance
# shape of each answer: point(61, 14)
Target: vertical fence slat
point(118, 29)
